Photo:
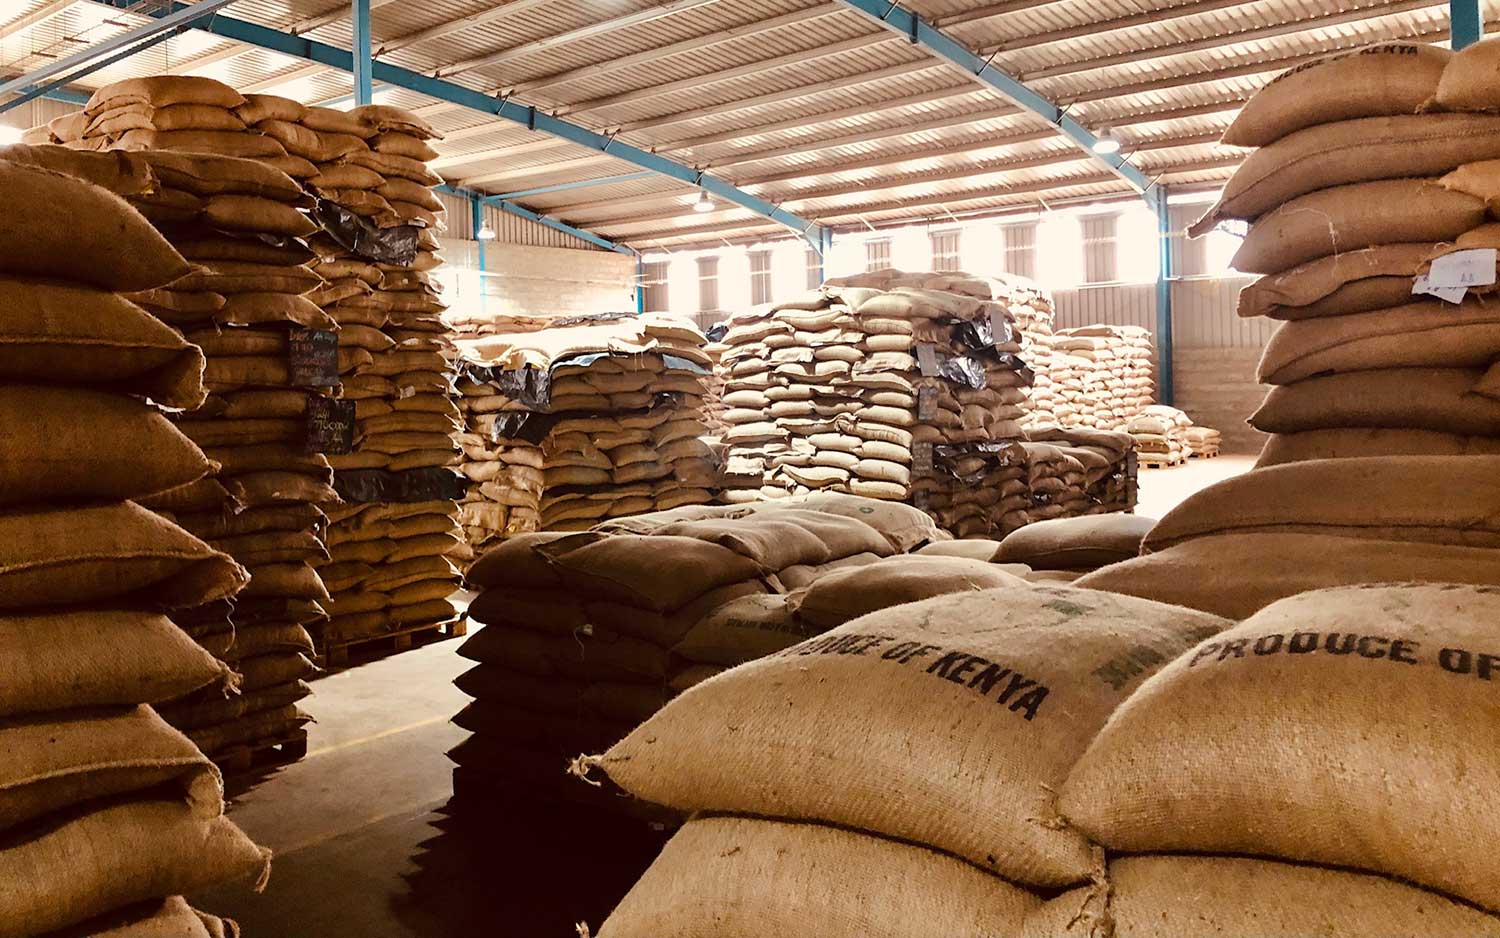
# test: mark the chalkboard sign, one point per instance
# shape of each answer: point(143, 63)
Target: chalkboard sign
point(330, 426)
point(313, 358)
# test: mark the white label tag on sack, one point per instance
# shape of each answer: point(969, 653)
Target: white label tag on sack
point(999, 325)
point(1472, 268)
point(921, 459)
point(1423, 286)
point(927, 359)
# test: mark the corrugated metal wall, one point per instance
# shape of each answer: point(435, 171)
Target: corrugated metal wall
point(34, 112)
point(1203, 313)
point(509, 229)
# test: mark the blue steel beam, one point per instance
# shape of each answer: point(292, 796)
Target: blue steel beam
point(921, 33)
point(364, 93)
point(300, 47)
point(1465, 25)
point(581, 184)
point(1164, 275)
point(56, 88)
point(476, 199)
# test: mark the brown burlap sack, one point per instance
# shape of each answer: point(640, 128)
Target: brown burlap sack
point(119, 553)
point(169, 918)
point(218, 142)
point(1187, 897)
point(1354, 217)
point(744, 629)
point(1345, 444)
point(837, 597)
point(74, 445)
point(757, 878)
point(280, 723)
point(1234, 575)
point(124, 174)
point(205, 174)
point(116, 856)
point(1428, 499)
point(904, 526)
point(593, 654)
point(970, 709)
point(65, 660)
point(1386, 79)
point(160, 91)
point(56, 334)
point(57, 761)
point(981, 549)
point(1084, 543)
point(1439, 399)
point(624, 702)
point(1385, 800)
point(1352, 151)
point(1468, 81)
point(258, 215)
point(1428, 333)
point(659, 572)
point(1356, 296)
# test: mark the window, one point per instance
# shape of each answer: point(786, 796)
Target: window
point(708, 283)
point(760, 277)
point(877, 254)
point(945, 253)
point(814, 269)
point(1100, 248)
point(654, 285)
point(1019, 243)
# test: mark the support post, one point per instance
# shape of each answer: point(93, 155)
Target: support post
point(825, 245)
point(640, 284)
point(1464, 23)
point(364, 91)
point(476, 221)
point(1164, 275)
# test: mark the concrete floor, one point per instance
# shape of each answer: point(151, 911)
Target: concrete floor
point(368, 844)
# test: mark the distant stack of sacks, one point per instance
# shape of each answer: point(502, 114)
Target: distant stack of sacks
point(590, 418)
point(107, 814)
point(1105, 458)
point(1031, 306)
point(1161, 434)
point(243, 304)
point(1203, 441)
point(590, 633)
point(1101, 375)
point(1350, 199)
point(850, 388)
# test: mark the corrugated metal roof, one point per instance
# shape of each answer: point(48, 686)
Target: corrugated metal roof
point(806, 103)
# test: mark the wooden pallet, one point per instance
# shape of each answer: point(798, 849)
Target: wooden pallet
point(1164, 462)
point(262, 754)
point(338, 654)
point(1213, 455)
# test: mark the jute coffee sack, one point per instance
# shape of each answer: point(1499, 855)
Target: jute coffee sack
point(1361, 150)
point(1426, 334)
point(1085, 543)
point(942, 722)
point(115, 856)
point(1186, 897)
point(1346, 282)
point(1235, 575)
point(57, 761)
point(1349, 443)
point(838, 597)
point(1446, 400)
point(1429, 499)
point(1349, 218)
point(124, 174)
point(766, 879)
point(128, 449)
point(1468, 82)
point(168, 918)
point(1387, 79)
point(1319, 658)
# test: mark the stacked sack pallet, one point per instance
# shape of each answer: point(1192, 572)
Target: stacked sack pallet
point(1031, 307)
point(1384, 410)
point(852, 387)
point(1108, 460)
point(1101, 375)
point(1161, 435)
point(590, 418)
point(238, 222)
point(109, 816)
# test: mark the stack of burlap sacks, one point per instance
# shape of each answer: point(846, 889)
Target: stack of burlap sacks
point(1031, 307)
point(1384, 410)
point(1161, 434)
point(107, 814)
point(1101, 375)
point(855, 387)
point(993, 763)
point(588, 419)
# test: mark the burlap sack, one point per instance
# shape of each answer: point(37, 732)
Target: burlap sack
point(661, 573)
point(1084, 543)
point(618, 701)
point(767, 879)
point(904, 526)
point(116, 856)
point(1386, 79)
point(742, 630)
point(1356, 296)
point(981, 549)
point(97, 659)
point(1186, 897)
point(201, 712)
point(1235, 575)
point(1352, 151)
point(119, 553)
point(160, 91)
point(1318, 659)
point(1428, 333)
point(57, 761)
point(1439, 399)
point(57, 334)
point(838, 597)
point(169, 918)
point(1468, 81)
point(218, 142)
point(970, 707)
point(1353, 217)
point(124, 174)
point(593, 654)
point(259, 215)
point(1352, 443)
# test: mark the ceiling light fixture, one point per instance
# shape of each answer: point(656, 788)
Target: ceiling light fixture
point(704, 203)
point(485, 233)
point(1106, 143)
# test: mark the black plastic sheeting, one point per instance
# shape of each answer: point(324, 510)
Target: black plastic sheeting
point(396, 245)
point(532, 387)
point(533, 426)
point(414, 485)
point(1002, 453)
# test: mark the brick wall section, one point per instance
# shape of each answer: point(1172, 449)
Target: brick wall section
point(1216, 387)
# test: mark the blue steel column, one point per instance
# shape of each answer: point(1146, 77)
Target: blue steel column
point(364, 91)
point(640, 285)
point(825, 245)
point(1465, 26)
point(1164, 275)
point(476, 221)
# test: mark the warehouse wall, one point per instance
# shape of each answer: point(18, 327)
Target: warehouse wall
point(34, 112)
point(537, 281)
